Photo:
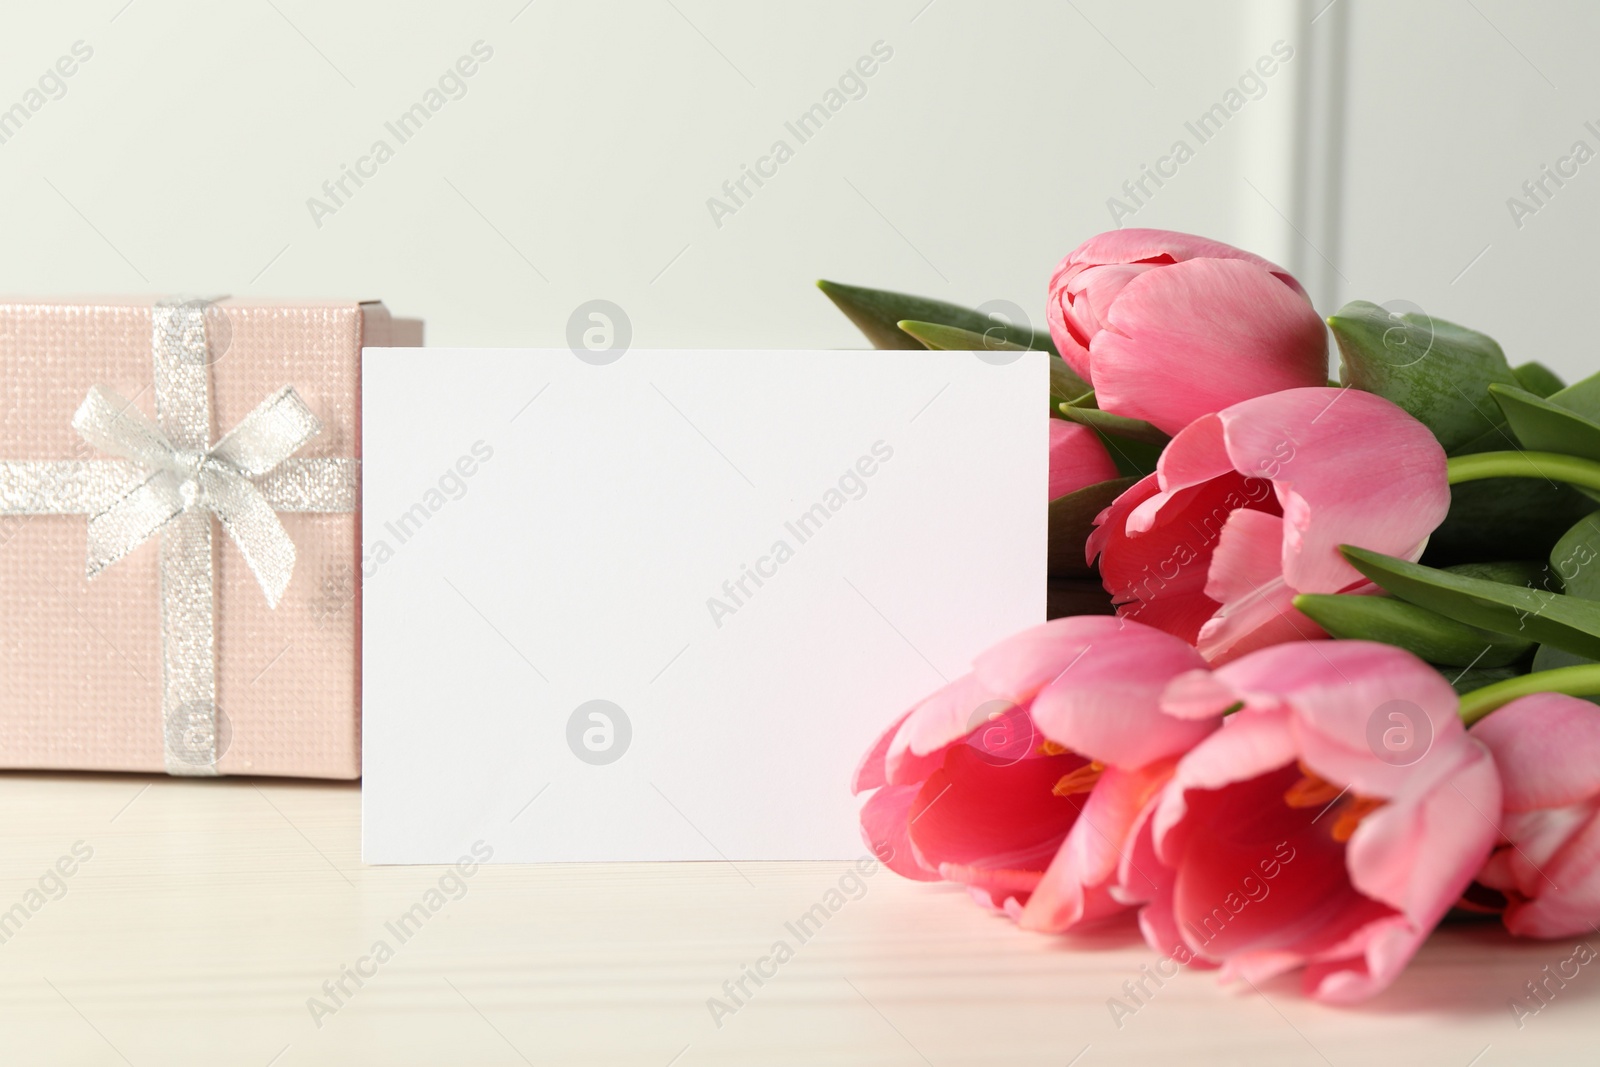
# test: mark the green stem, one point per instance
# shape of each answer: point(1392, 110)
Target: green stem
point(1551, 466)
point(1580, 681)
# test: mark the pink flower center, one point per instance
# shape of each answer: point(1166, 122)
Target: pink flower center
point(1262, 866)
point(1081, 780)
point(1313, 791)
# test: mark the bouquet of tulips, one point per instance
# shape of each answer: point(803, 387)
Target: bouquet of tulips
point(1333, 688)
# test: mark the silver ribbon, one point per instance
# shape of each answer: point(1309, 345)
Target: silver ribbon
point(172, 480)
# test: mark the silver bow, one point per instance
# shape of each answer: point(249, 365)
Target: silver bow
point(171, 481)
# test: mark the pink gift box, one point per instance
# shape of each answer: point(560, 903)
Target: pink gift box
point(82, 662)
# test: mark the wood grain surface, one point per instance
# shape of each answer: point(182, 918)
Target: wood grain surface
point(213, 917)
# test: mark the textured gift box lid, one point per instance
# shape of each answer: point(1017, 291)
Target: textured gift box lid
point(80, 661)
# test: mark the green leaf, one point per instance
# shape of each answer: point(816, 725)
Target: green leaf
point(1436, 370)
point(1582, 397)
point(1538, 379)
point(955, 339)
point(1064, 385)
point(1515, 512)
point(878, 313)
point(1118, 425)
point(1134, 445)
point(1515, 610)
point(1496, 438)
point(1134, 459)
point(1432, 636)
point(1532, 573)
point(1464, 682)
point(1575, 562)
point(1545, 426)
point(1071, 521)
point(1575, 559)
point(1550, 658)
point(1501, 517)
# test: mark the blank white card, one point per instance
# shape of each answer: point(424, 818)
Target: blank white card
point(658, 608)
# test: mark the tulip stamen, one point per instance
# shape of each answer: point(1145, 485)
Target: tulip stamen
point(1051, 748)
point(1079, 781)
point(1351, 812)
point(1314, 791)
point(1311, 790)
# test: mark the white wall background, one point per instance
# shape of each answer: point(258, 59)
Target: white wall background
point(1375, 163)
point(1451, 107)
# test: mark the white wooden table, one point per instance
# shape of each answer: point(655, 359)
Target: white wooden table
point(211, 912)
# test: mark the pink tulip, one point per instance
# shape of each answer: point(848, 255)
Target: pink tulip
point(1168, 327)
point(1249, 506)
point(1300, 835)
point(1077, 458)
point(986, 782)
point(1547, 748)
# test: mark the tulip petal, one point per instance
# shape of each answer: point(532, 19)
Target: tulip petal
point(997, 883)
point(1366, 855)
point(1565, 896)
point(1075, 887)
point(1197, 454)
point(1338, 690)
point(1547, 747)
point(1068, 336)
point(1264, 878)
point(1197, 694)
point(1195, 473)
point(1419, 852)
point(884, 829)
point(1246, 578)
point(1246, 558)
point(1256, 967)
point(1107, 705)
point(1380, 952)
point(1246, 746)
point(1093, 289)
point(933, 725)
point(1135, 244)
point(1253, 334)
point(977, 810)
point(1087, 283)
point(1527, 866)
point(1417, 856)
point(1112, 523)
point(1157, 577)
point(871, 772)
point(1267, 619)
point(1077, 458)
point(1022, 664)
point(1350, 468)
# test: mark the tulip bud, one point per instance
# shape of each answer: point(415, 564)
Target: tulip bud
point(1168, 327)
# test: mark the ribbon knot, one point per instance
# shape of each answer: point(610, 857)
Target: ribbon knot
point(176, 480)
point(186, 465)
